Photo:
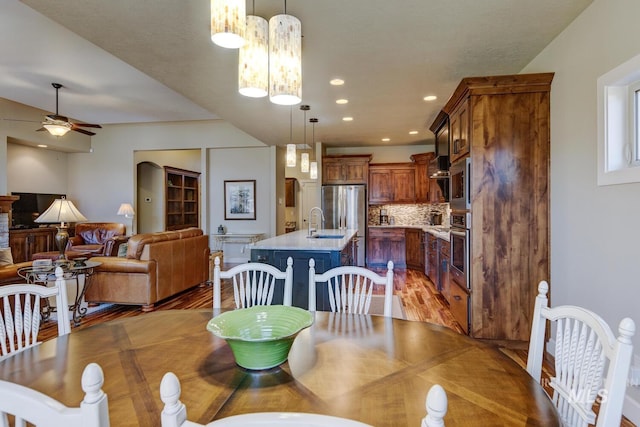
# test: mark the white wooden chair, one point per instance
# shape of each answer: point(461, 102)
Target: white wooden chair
point(436, 405)
point(254, 283)
point(350, 288)
point(583, 345)
point(21, 313)
point(30, 406)
point(174, 413)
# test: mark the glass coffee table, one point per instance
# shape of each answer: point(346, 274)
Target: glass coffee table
point(77, 270)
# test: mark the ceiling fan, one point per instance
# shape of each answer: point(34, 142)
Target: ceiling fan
point(58, 125)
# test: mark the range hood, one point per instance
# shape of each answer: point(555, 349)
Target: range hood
point(441, 167)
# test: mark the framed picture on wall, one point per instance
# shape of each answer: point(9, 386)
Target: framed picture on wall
point(240, 199)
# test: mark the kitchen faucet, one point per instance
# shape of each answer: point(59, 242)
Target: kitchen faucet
point(311, 229)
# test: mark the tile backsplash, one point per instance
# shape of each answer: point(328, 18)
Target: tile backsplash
point(410, 214)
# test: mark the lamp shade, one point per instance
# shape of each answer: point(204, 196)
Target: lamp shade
point(61, 210)
point(285, 60)
point(127, 210)
point(304, 162)
point(291, 155)
point(313, 170)
point(228, 23)
point(57, 129)
point(253, 59)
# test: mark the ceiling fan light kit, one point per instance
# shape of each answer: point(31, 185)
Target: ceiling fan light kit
point(58, 125)
point(57, 129)
point(228, 22)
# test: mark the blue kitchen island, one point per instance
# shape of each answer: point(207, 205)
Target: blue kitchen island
point(328, 247)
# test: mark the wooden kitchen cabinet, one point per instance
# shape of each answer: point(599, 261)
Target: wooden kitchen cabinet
point(459, 122)
point(392, 183)
point(415, 248)
point(432, 259)
point(503, 123)
point(345, 169)
point(443, 265)
point(25, 243)
point(290, 192)
point(423, 183)
point(384, 245)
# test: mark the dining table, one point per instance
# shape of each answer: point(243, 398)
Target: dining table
point(368, 368)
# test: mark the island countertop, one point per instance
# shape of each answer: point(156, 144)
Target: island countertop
point(299, 240)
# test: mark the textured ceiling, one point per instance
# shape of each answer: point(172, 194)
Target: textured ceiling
point(126, 61)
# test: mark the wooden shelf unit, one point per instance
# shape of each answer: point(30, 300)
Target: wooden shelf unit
point(182, 198)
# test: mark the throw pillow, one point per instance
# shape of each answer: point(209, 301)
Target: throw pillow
point(91, 237)
point(5, 256)
point(122, 250)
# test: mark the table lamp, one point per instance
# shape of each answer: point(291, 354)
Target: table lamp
point(62, 211)
point(127, 210)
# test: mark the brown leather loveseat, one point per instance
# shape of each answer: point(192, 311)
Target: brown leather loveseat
point(156, 266)
point(96, 237)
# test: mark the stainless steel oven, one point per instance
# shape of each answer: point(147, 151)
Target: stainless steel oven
point(460, 248)
point(459, 184)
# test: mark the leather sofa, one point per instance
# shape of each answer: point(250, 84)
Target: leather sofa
point(9, 273)
point(98, 238)
point(156, 266)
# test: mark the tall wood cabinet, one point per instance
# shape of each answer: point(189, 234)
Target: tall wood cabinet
point(423, 184)
point(181, 198)
point(503, 124)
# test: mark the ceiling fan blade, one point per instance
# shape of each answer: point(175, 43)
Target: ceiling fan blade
point(40, 130)
point(86, 125)
point(86, 132)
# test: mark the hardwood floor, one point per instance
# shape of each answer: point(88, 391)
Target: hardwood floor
point(420, 300)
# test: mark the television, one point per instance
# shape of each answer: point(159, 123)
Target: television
point(30, 205)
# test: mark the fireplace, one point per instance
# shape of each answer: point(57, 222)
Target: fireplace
point(5, 219)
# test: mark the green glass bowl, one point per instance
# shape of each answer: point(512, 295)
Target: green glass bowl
point(260, 337)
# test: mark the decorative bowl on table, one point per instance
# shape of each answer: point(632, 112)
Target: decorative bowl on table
point(260, 337)
point(79, 262)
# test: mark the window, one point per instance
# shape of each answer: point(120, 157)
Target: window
point(619, 124)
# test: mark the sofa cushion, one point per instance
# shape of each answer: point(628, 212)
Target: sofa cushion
point(5, 256)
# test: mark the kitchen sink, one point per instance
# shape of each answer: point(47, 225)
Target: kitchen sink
point(326, 236)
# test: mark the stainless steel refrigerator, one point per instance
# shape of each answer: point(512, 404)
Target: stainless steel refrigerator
point(345, 206)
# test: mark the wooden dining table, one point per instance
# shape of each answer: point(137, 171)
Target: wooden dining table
point(373, 369)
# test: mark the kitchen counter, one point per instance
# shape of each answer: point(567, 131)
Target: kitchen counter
point(299, 241)
point(440, 231)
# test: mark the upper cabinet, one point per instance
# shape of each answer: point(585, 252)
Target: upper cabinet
point(459, 125)
point(422, 185)
point(392, 183)
point(346, 169)
point(182, 194)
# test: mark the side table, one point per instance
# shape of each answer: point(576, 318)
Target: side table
point(72, 271)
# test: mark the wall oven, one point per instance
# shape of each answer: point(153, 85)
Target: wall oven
point(460, 248)
point(460, 184)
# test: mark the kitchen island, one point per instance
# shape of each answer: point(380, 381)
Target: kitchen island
point(328, 247)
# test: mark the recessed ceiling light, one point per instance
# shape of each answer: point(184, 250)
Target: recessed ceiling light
point(386, 139)
point(413, 132)
point(342, 101)
point(336, 82)
point(42, 145)
point(347, 119)
point(430, 98)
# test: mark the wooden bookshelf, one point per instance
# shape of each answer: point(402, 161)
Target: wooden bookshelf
point(182, 198)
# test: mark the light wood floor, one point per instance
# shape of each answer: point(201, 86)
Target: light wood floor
point(418, 295)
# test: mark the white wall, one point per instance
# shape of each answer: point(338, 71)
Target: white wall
point(36, 170)
point(384, 154)
point(594, 230)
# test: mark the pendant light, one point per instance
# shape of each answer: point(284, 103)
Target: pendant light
point(228, 23)
point(253, 58)
point(304, 157)
point(285, 59)
point(313, 166)
point(291, 147)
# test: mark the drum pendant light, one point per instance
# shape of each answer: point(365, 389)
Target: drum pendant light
point(313, 166)
point(253, 59)
point(291, 147)
point(285, 59)
point(228, 23)
point(304, 157)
